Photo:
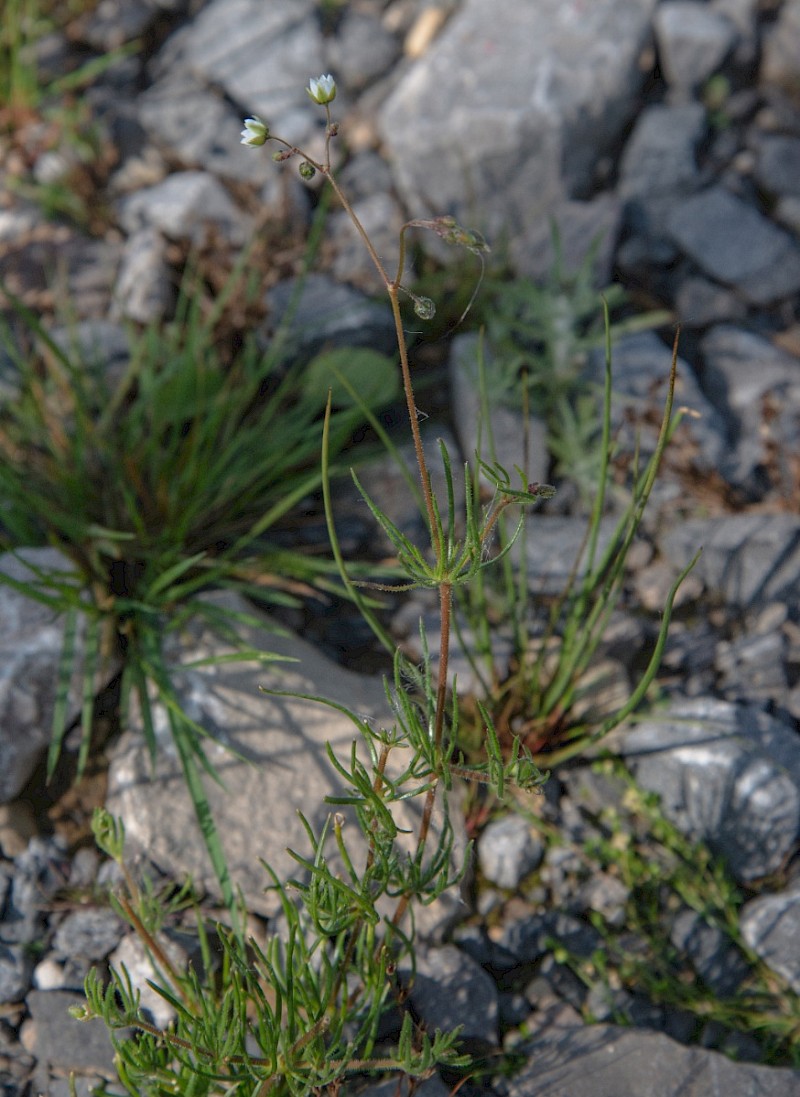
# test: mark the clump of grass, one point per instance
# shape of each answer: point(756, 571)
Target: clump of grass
point(555, 644)
point(160, 483)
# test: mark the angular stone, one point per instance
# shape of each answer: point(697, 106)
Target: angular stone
point(506, 423)
point(114, 22)
point(362, 49)
point(91, 933)
point(780, 58)
point(262, 56)
point(693, 40)
point(185, 206)
point(382, 220)
point(16, 965)
point(732, 242)
point(507, 113)
point(144, 291)
point(660, 155)
point(749, 559)
point(715, 959)
point(770, 925)
point(199, 128)
point(508, 850)
point(727, 775)
point(568, 1060)
point(31, 644)
point(67, 1044)
point(326, 314)
point(552, 546)
point(283, 768)
point(450, 989)
point(132, 955)
point(640, 368)
point(778, 165)
point(529, 938)
point(756, 387)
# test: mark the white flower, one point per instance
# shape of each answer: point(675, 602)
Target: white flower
point(322, 90)
point(255, 132)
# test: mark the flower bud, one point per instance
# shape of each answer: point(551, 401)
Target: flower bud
point(307, 171)
point(322, 90)
point(255, 132)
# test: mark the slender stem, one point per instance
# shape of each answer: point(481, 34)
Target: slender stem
point(362, 232)
point(413, 417)
point(392, 288)
point(445, 614)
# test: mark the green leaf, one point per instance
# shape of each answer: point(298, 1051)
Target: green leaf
point(374, 376)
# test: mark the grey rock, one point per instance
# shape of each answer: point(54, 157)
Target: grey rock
point(114, 22)
point(476, 942)
point(640, 368)
point(749, 559)
point(780, 57)
point(365, 173)
point(658, 168)
point(132, 955)
point(727, 775)
point(185, 205)
point(582, 225)
point(744, 16)
point(261, 55)
point(99, 350)
point(382, 220)
point(144, 291)
point(756, 386)
point(91, 271)
point(529, 938)
point(320, 313)
point(503, 437)
point(595, 792)
point(383, 481)
point(450, 989)
point(18, 1065)
point(511, 141)
point(712, 953)
point(32, 640)
point(552, 546)
point(770, 925)
point(508, 850)
point(16, 967)
point(362, 49)
point(753, 668)
point(699, 303)
point(733, 243)
point(787, 213)
point(778, 165)
point(606, 895)
point(65, 1044)
point(286, 770)
point(693, 40)
point(92, 933)
point(660, 155)
point(18, 221)
point(568, 1060)
point(198, 127)
point(430, 1087)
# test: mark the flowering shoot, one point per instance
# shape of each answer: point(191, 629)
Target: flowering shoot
point(255, 133)
point(322, 90)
